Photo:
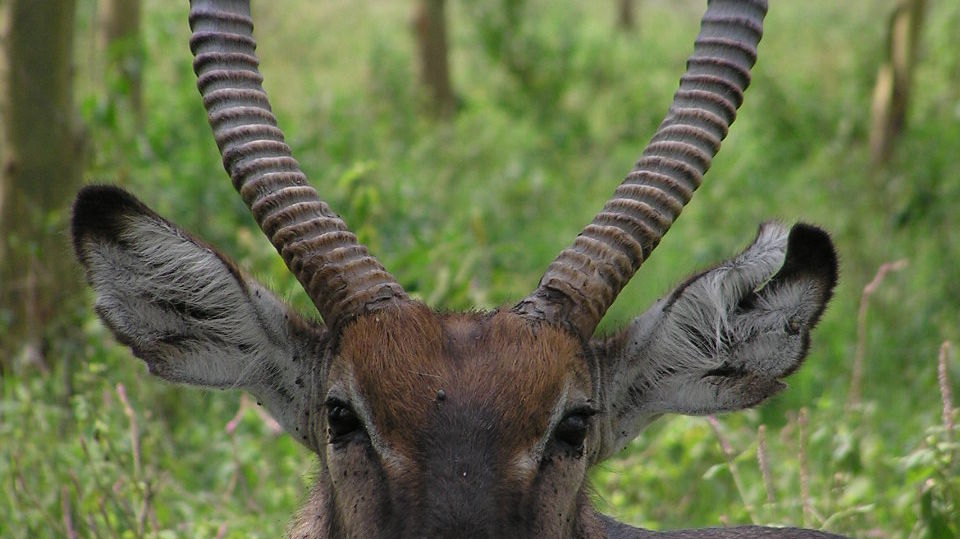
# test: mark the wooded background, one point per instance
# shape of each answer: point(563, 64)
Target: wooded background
point(467, 143)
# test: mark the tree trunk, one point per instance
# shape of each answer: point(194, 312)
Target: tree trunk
point(120, 40)
point(891, 94)
point(40, 172)
point(626, 15)
point(431, 31)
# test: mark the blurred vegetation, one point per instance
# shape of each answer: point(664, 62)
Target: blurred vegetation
point(554, 106)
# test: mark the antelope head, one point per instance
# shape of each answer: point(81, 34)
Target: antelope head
point(475, 425)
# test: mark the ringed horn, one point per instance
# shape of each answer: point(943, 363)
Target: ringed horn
point(340, 275)
point(584, 280)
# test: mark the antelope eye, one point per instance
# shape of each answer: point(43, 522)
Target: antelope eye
point(341, 420)
point(572, 430)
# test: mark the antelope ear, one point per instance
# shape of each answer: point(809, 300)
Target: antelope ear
point(724, 339)
point(187, 311)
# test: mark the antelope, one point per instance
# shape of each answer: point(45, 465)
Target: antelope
point(480, 424)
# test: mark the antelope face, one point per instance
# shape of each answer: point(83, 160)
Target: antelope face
point(437, 424)
point(473, 425)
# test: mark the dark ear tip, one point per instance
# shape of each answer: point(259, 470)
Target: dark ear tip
point(97, 211)
point(811, 248)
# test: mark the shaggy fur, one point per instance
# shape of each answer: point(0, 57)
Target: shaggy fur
point(457, 414)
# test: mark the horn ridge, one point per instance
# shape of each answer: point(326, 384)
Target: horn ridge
point(339, 274)
point(580, 285)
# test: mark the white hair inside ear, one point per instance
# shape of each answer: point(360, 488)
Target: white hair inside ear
point(187, 311)
point(724, 338)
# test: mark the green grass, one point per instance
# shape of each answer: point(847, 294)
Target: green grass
point(468, 214)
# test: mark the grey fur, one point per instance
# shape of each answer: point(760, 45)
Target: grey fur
point(699, 351)
point(195, 319)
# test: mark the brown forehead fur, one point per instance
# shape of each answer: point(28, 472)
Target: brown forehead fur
point(497, 362)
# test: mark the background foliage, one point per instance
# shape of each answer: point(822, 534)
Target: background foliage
point(554, 106)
